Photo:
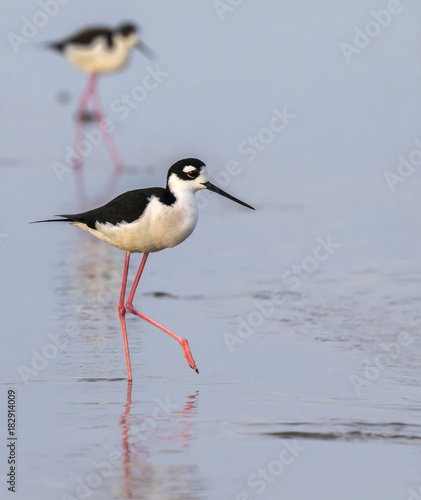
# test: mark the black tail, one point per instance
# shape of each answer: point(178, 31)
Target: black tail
point(58, 46)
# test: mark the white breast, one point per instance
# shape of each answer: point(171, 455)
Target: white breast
point(98, 57)
point(160, 226)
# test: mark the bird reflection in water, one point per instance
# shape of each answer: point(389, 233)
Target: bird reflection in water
point(142, 479)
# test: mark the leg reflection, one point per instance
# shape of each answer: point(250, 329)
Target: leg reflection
point(148, 447)
point(125, 424)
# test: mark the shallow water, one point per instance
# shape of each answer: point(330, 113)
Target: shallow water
point(302, 316)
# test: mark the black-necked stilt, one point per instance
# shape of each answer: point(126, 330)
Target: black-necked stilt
point(96, 51)
point(149, 220)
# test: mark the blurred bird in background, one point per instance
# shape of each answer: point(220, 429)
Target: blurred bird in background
point(99, 50)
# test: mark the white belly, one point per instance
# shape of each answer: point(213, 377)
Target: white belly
point(98, 57)
point(159, 227)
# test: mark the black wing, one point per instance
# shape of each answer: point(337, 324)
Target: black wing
point(125, 208)
point(85, 37)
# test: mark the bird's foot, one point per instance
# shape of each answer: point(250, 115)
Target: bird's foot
point(188, 355)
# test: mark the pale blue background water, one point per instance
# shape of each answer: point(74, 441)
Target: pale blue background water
point(289, 381)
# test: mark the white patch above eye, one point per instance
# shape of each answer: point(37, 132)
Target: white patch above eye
point(188, 168)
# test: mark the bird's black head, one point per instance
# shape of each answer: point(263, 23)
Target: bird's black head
point(187, 169)
point(127, 29)
point(190, 175)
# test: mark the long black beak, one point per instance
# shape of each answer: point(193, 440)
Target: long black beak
point(146, 51)
point(216, 189)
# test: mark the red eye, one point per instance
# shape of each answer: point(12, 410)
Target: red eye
point(193, 174)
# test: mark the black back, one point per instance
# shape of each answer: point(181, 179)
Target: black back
point(127, 207)
point(85, 37)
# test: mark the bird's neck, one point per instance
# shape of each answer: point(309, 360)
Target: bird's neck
point(125, 42)
point(181, 195)
point(181, 190)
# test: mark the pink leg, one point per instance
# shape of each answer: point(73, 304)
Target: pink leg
point(109, 143)
point(81, 109)
point(183, 342)
point(125, 424)
point(122, 314)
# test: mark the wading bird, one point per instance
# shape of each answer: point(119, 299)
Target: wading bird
point(149, 220)
point(96, 51)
